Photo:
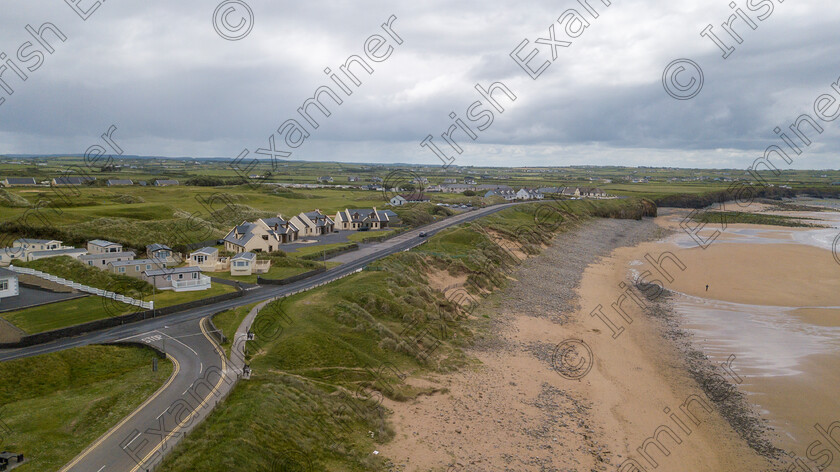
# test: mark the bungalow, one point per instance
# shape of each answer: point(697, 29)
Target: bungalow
point(550, 190)
point(207, 259)
point(19, 181)
point(325, 178)
point(69, 252)
point(361, 219)
point(180, 279)
point(117, 182)
point(8, 284)
point(61, 181)
point(246, 263)
point(593, 192)
point(571, 191)
point(99, 246)
point(161, 253)
point(101, 260)
point(29, 245)
point(133, 268)
point(166, 183)
point(456, 188)
point(508, 195)
point(353, 179)
point(313, 223)
point(529, 194)
point(400, 200)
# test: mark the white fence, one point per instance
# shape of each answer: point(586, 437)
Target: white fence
point(83, 288)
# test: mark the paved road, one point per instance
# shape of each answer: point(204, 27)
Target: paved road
point(202, 376)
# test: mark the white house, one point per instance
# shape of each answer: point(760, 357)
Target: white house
point(528, 194)
point(8, 284)
point(98, 246)
point(246, 263)
point(180, 279)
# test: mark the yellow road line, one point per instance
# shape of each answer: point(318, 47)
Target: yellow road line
point(126, 419)
point(204, 402)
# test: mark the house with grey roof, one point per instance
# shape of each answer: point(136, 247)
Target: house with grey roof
point(313, 223)
point(133, 268)
point(19, 181)
point(246, 263)
point(208, 260)
point(178, 279)
point(69, 252)
point(66, 181)
point(119, 182)
point(163, 254)
point(166, 183)
point(361, 219)
point(508, 195)
point(263, 235)
point(101, 260)
point(100, 246)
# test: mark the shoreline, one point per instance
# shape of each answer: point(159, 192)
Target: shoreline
point(511, 408)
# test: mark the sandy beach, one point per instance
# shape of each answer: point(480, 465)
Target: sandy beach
point(644, 402)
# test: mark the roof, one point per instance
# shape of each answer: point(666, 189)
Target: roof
point(177, 270)
point(36, 241)
point(103, 243)
point(157, 247)
point(390, 214)
point(166, 182)
point(6, 272)
point(133, 262)
point(72, 180)
point(206, 250)
point(58, 252)
point(120, 182)
point(107, 255)
point(20, 180)
point(244, 255)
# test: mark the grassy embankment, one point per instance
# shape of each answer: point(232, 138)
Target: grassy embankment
point(312, 396)
point(82, 310)
point(55, 405)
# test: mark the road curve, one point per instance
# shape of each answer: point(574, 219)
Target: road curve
point(202, 375)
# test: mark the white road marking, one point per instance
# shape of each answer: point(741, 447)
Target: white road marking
point(129, 443)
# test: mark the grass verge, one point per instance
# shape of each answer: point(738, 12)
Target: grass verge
point(58, 404)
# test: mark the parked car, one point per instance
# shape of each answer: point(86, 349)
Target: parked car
point(423, 234)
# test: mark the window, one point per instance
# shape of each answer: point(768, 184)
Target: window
point(195, 275)
point(136, 268)
point(148, 267)
point(4, 285)
point(122, 270)
point(90, 263)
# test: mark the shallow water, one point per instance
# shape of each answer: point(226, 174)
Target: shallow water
point(787, 359)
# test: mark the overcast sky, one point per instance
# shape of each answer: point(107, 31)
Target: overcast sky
point(173, 86)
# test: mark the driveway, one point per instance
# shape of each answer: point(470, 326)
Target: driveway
point(31, 297)
point(332, 238)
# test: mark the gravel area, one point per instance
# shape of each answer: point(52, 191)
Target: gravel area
point(554, 276)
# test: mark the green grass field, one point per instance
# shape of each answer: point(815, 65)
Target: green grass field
point(92, 308)
point(58, 404)
point(228, 322)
